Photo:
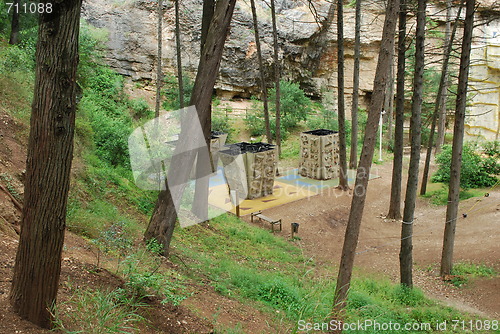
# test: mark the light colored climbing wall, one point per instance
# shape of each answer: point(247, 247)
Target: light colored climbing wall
point(251, 174)
point(483, 116)
point(319, 155)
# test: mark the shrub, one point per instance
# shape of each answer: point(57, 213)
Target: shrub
point(295, 108)
point(220, 123)
point(140, 109)
point(492, 148)
point(476, 171)
point(171, 91)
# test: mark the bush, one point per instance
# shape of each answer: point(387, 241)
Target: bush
point(295, 108)
point(476, 171)
point(171, 91)
point(492, 148)
point(220, 123)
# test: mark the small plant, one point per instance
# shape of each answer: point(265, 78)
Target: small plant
point(144, 278)
point(97, 312)
point(8, 181)
point(492, 148)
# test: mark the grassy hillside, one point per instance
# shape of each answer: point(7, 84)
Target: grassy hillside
point(239, 261)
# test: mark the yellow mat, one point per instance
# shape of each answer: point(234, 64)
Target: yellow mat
point(282, 193)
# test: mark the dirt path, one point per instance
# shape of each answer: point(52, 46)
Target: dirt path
point(323, 219)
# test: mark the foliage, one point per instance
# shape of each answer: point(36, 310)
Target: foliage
point(492, 148)
point(439, 196)
point(295, 108)
point(295, 105)
point(144, 278)
point(97, 312)
point(464, 271)
point(476, 171)
point(141, 109)
point(170, 91)
point(8, 181)
point(221, 123)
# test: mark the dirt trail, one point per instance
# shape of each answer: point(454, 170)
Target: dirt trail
point(323, 219)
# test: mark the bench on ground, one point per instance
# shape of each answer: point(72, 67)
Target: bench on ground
point(261, 217)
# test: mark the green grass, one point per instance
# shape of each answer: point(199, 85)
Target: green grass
point(465, 271)
point(437, 193)
point(254, 266)
point(97, 312)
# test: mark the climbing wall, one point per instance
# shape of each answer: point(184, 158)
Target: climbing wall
point(319, 154)
point(256, 171)
point(217, 143)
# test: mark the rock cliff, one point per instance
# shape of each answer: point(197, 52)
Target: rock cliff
point(307, 38)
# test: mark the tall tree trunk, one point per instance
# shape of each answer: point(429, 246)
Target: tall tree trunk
point(14, 27)
point(159, 73)
point(397, 168)
point(341, 107)
point(178, 46)
point(161, 225)
point(405, 254)
point(389, 102)
point(365, 162)
point(48, 165)
point(277, 76)
point(202, 169)
point(440, 102)
point(261, 70)
point(208, 13)
point(458, 136)
point(353, 159)
point(442, 113)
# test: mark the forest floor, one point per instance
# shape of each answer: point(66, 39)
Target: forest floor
point(322, 220)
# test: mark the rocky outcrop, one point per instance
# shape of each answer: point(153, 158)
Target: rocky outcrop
point(307, 38)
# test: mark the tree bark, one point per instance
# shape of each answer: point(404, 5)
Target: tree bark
point(442, 113)
point(277, 76)
point(261, 71)
point(365, 162)
point(161, 225)
point(14, 27)
point(178, 46)
point(202, 168)
point(353, 159)
point(48, 165)
point(458, 136)
point(343, 182)
point(440, 104)
point(405, 254)
point(397, 168)
point(389, 102)
point(159, 73)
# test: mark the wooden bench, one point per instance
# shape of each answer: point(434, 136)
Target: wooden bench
point(261, 217)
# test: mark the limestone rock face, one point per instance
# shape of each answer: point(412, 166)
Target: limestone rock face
point(307, 38)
